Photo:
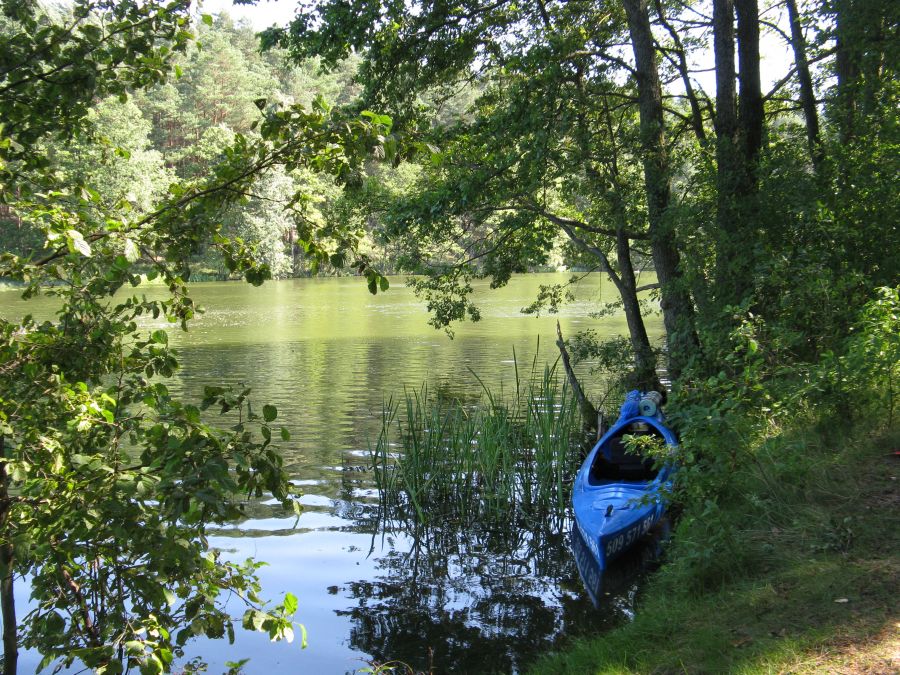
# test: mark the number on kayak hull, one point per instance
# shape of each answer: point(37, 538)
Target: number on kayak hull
point(627, 538)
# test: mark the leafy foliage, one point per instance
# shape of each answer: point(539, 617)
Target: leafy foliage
point(108, 482)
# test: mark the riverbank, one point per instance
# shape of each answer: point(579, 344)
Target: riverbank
point(814, 583)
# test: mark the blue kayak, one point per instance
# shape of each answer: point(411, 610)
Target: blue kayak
point(618, 496)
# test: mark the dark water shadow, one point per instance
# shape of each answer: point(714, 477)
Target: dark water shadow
point(476, 599)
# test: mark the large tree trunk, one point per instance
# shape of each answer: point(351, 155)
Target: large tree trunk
point(750, 136)
point(739, 141)
point(678, 309)
point(727, 162)
point(866, 35)
point(750, 113)
point(807, 94)
point(846, 70)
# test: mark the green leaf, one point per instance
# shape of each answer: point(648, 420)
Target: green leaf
point(384, 284)
point(270, 412)
point(285, 434)
point(152, 666)
point(76, 242)
point(258, 619)
point(134, 647)
point(160, 337)
point(54, 623)
point(111, 668)
point(207, 19)
point(290, 603)
point(132, 252)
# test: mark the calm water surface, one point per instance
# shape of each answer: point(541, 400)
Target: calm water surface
point(328, 354)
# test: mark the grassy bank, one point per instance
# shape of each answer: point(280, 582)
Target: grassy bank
point(811, 582)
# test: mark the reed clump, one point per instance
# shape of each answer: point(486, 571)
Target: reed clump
point(502, 457)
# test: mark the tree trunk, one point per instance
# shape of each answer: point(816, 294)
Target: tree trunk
point(738, 137)
point(846, 70)
point(589, 419)
point(807, 94)
point(726, 145)
point(866, 35)
point(8, 606)
point(750, 113)
point(723, 48)
point(624, 281)
point(739, 140)
point(645, 375)
point(677, 307)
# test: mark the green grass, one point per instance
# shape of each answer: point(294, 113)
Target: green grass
point(438, 459)
point(814, 583)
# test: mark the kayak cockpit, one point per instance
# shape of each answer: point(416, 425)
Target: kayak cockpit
point(613, 463)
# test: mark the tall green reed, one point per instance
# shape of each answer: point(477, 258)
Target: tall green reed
point(439, 458)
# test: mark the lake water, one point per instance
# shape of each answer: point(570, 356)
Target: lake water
point(328, 354)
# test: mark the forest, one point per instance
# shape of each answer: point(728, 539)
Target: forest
point(146, 144)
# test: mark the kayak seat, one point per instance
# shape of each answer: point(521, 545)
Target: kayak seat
point(621, 465)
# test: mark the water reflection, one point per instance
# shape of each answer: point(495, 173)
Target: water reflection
point(469, 599)
point(458, 597)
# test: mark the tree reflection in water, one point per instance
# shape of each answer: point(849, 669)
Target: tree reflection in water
point(473, 598)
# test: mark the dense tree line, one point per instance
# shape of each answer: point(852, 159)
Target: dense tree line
point(141, 142)
point(590, 124)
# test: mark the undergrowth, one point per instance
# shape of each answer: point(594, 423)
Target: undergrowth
point(785, 545)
